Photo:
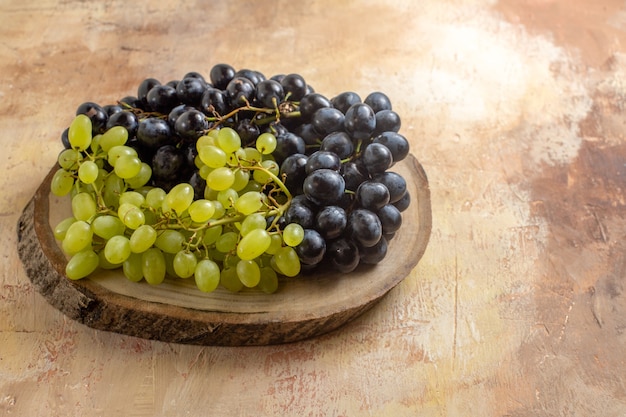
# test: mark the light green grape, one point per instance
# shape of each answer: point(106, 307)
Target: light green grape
point(116, 152)
point(220, 210)
point(287, 261)
point(293, 234)
point(266, 143)
point(234, 158)
point(179, 198)
point(242, 177)
point(201, 210)
point(115, 136)
point(212, 234)
point(261, 176)
point(184, 264)
point(77, 237)
point(227, 198)
point(107, 226)
point(61, 183)
point(131, 215)
point(83, 206)
point(253, 244)
point(82, 264)
point(132, 197)
point(212, 156)
point(170, 241)
point(61, 228)
point(207, 275)
point(226, 242)
point(133, 267)
point(155, 197)
point(205, 140)
point(142, 238)
point(113, 187)
point(127, 166)
point(221, 178)
point(275, 244)
point(79, 133)
point(251, 222)
point(69, 158)
point(252, 155)
point(228, 139)
point(95, 143)
point(230, 280)
point(104, 262)
point(153, 266)
point(249, 202)
point(117, 249)
point(249, 273)
point(269, 280)
point(142, 177)
point(88, 172)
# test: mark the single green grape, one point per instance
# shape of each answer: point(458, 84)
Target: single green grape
point(77, 237)
point(115, 136)
point(261, 176)
point(127, 166)
point(142, 238)
point(131, 215)
point(116, 152)
point(253, 244)
point(170, 241)
point(179, 198)
point(230, 280)
point(212, 156)
point(201, 210)
point(61, 183)
point(227, 198)
point(251, 222)
point(132, 197)
point(142, 178)
point(112, 188)
point(88, 172)
point(228, 139)
point(268, 282)
point(117, 249)
point(83, 206)
point(211, 234)
point(184, 264)
point(287, 261)
point(226, 242)
point(106, 226)
point(133, 267)
point(266, 143)
point(248, 272)
point(79, 133)
point(242, 177)
point(69, 159)
point(221, 178)
point(155, 197)
point(153, 266)
point(249, 202)
point(61, 228)
point(275, 244)
point(207, 275)
point(293, 234)
point(82, 264)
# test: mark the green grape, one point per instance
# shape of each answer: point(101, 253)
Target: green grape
point(155, 197)
point(107, 226)
point(287, 261)
point(220, 210)
point(69, 158)
point(234, 158)
point(104, 262)
point(266, 143)
point(116, 152)
point(95, 143)
point(112, 188)
point(88, 172)
point(205, 140)
point(212, 234)
point(227, 197)
point(132, 197)
point(153, 266)
point(242, 177)
point(221, 178)
point(226, 242)
point(205, 171)
point(61, 183)
point(169, 264)
point(201, 210)
point(77, 237)
point(275, 244)
point(212, 156)
point(261, 176)
point(170, 241)
point(82, 264)
point(142, 238)
point(61, 228)
point(117, 249)
point(179, 197)
point(79, 133)
point(184, 263)
point(207, 275)
point(228, 139)
point(142, 178)
point(251, 222)
point(230, 280)
point(249, 273)
point(253, 244)
point(115, 136)
point(252, 186)
point(127, 166)
point(133, 267)
point(131, 215)
point(269, 280)
point(83, 206)
point(293, 234)
point(249, 202)
point(253, 156)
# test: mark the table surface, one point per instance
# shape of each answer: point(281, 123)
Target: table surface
point(514, 108)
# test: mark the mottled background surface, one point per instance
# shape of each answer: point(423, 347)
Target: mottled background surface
point(514, 108)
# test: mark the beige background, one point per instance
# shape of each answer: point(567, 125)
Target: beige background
point(514, 108)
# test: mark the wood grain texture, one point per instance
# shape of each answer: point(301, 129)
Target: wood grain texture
point(177, 312)
point(515, 110)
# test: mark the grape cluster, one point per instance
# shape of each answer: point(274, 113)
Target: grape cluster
point(234, 181)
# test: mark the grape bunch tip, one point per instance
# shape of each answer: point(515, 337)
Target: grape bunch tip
point(232, 181)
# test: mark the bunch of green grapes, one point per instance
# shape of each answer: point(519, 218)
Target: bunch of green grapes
point(231, 237)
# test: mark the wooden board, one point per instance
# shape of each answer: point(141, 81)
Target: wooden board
point(176, 311)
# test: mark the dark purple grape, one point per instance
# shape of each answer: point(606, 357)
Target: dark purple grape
point(327, 120)
point(167, 162)
point(199, 185)
point(343, 255)
point(312, 248)
point(331, 221)
point(353, 174)
point(311, 103)
point(269, 93)
point(396, 143)
point(240, 91)
point(311, 138)
point(162, 98)
point(126, 119)
point(196, 75)
point(96, 114)
point(294, 86)
point(191, 124)
point(364, 227)
point(390, 218)
point(374, 254)
point(214, 101)
point(377, 158)
point(190, 90)
point(65, 140)
point(395, 183)
point(324, 186)
point(323, 159)
point(288, 144)
point(301, 214)
point(339, 143)
point(154, 132)
point(144, 87)
point(221, 74)
point(378, 101)
point(345, 100)
point(387, 121)
point(110, 109)
point(404, 202)
point(254, 76)
point(372, 195)
point(131, 101)
point(293, 168)
point(175, 113)
point(248, 131)
point(360, 121)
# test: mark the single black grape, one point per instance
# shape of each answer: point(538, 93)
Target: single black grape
point(240, 91)
point(390, 218)
point(372, 195)
point(374, 254)
point(162, 98)
point(377, 158)
point(175, 113)
point(126, 119)
point(195, 74)
point(154, 132)
point(167, 162)
point(360, 121)
point(327, 120)
point(191, 124)
point(312, 248)
point(378, 101)
point(353, 174)
point(248, 131)
point(301, 214)
point(310, 103)
point(269, 93)
point(294, 86)
point(96, 114)
point(311, 138)
point(395, 183)
point(331, 221)
point(345, 100)
point(323, 159)
point(396, 143)
point(144, 87)
point(324, 186)
point(131, 101)
point(214, 101)
point(110, 109)
point(387, 121)
point(288, 144)
point(254, 76)
point(293, 169)
point(364, 227)
point(190, 90)
point(404, 202)
point(65, 140)
point(221, 74)
point(339, 143)
point(199, 185)
point(343, 255)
